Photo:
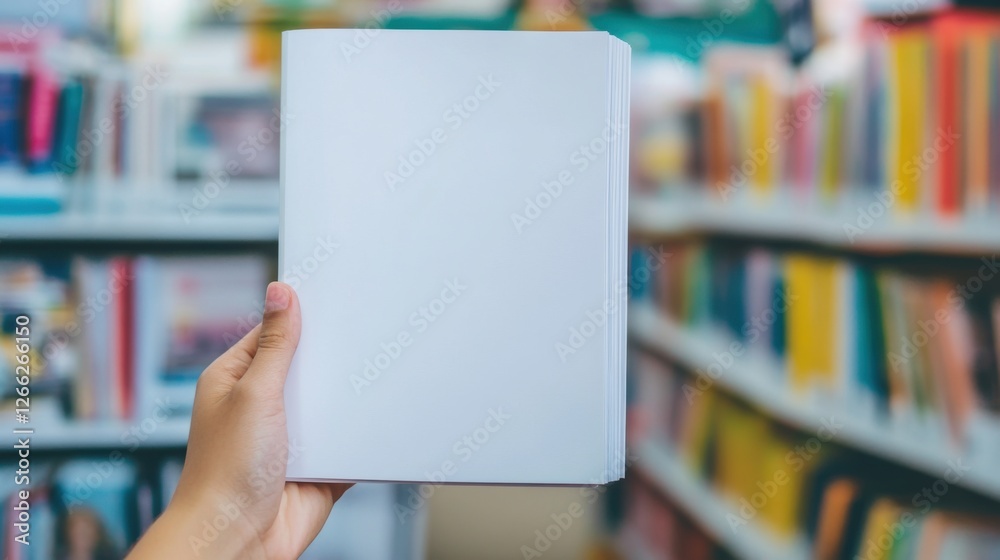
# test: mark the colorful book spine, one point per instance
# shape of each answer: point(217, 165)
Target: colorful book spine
point(11, 88)
point(915, 353)
point(67, 154)
point(43, 100)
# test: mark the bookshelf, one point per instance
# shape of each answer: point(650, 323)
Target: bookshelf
point(171, 435)
point(665, 218)
point(709, 511)
point(243, 227)
point(748, 379)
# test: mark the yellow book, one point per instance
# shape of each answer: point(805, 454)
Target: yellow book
point(797, 461)
point(780, 511)
point(883, 513)
point(799, 280)
point(832, 149)
point(907, 86)
point(762, 119)
point(825, 332)
point(697, 431)
point(727, 460)
point(812, 321)
point(742, 432)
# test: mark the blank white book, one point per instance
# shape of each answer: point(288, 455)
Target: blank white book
point(453, 220)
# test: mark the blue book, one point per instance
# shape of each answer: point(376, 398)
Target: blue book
point(11, 96)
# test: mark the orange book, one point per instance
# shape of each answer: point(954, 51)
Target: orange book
point(833, 517)
point(957, 355)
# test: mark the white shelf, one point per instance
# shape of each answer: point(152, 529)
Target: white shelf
point(666, 218)
point(710, 511)
point(107, 435)
point(249, 227)
point(752, 380)
point(894, 8)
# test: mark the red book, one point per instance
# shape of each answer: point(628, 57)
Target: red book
point(124, 377)
point(950, 32)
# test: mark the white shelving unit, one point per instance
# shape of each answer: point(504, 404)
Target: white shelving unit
point(681, 216)
point(710, 511)
point(170, 434)
point(235, 227)
point(749, 379)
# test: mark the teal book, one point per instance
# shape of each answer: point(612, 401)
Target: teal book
point(66, 149)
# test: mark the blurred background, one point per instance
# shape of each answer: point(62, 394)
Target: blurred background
point(815, 319)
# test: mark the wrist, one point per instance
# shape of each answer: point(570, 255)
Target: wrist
point(199, 530)
point(215, 528)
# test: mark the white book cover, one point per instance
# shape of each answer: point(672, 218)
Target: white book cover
point(453, 220)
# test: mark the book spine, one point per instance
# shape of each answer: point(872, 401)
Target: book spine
point(11, 84)
point(67, 157)
point(43, 98)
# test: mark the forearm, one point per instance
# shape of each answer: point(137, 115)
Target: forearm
point(195, 532)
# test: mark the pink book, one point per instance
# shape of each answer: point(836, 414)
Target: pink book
point(43, 99)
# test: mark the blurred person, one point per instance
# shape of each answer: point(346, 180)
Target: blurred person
point(232, 500)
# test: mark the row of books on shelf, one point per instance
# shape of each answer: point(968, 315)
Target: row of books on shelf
point(900, 118)
point(803, 485)
point(96, 508)
point(84, 508)
point(124, 337)
point(81, 126)
point(913, 351)
point(62, 108)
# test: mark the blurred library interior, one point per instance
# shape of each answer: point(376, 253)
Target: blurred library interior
point(814, 366)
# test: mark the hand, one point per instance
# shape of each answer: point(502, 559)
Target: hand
point(232, 500)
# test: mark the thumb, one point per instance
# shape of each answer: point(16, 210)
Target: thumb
point(279, 336)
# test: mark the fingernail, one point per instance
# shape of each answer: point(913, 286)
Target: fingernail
point(277, 298)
